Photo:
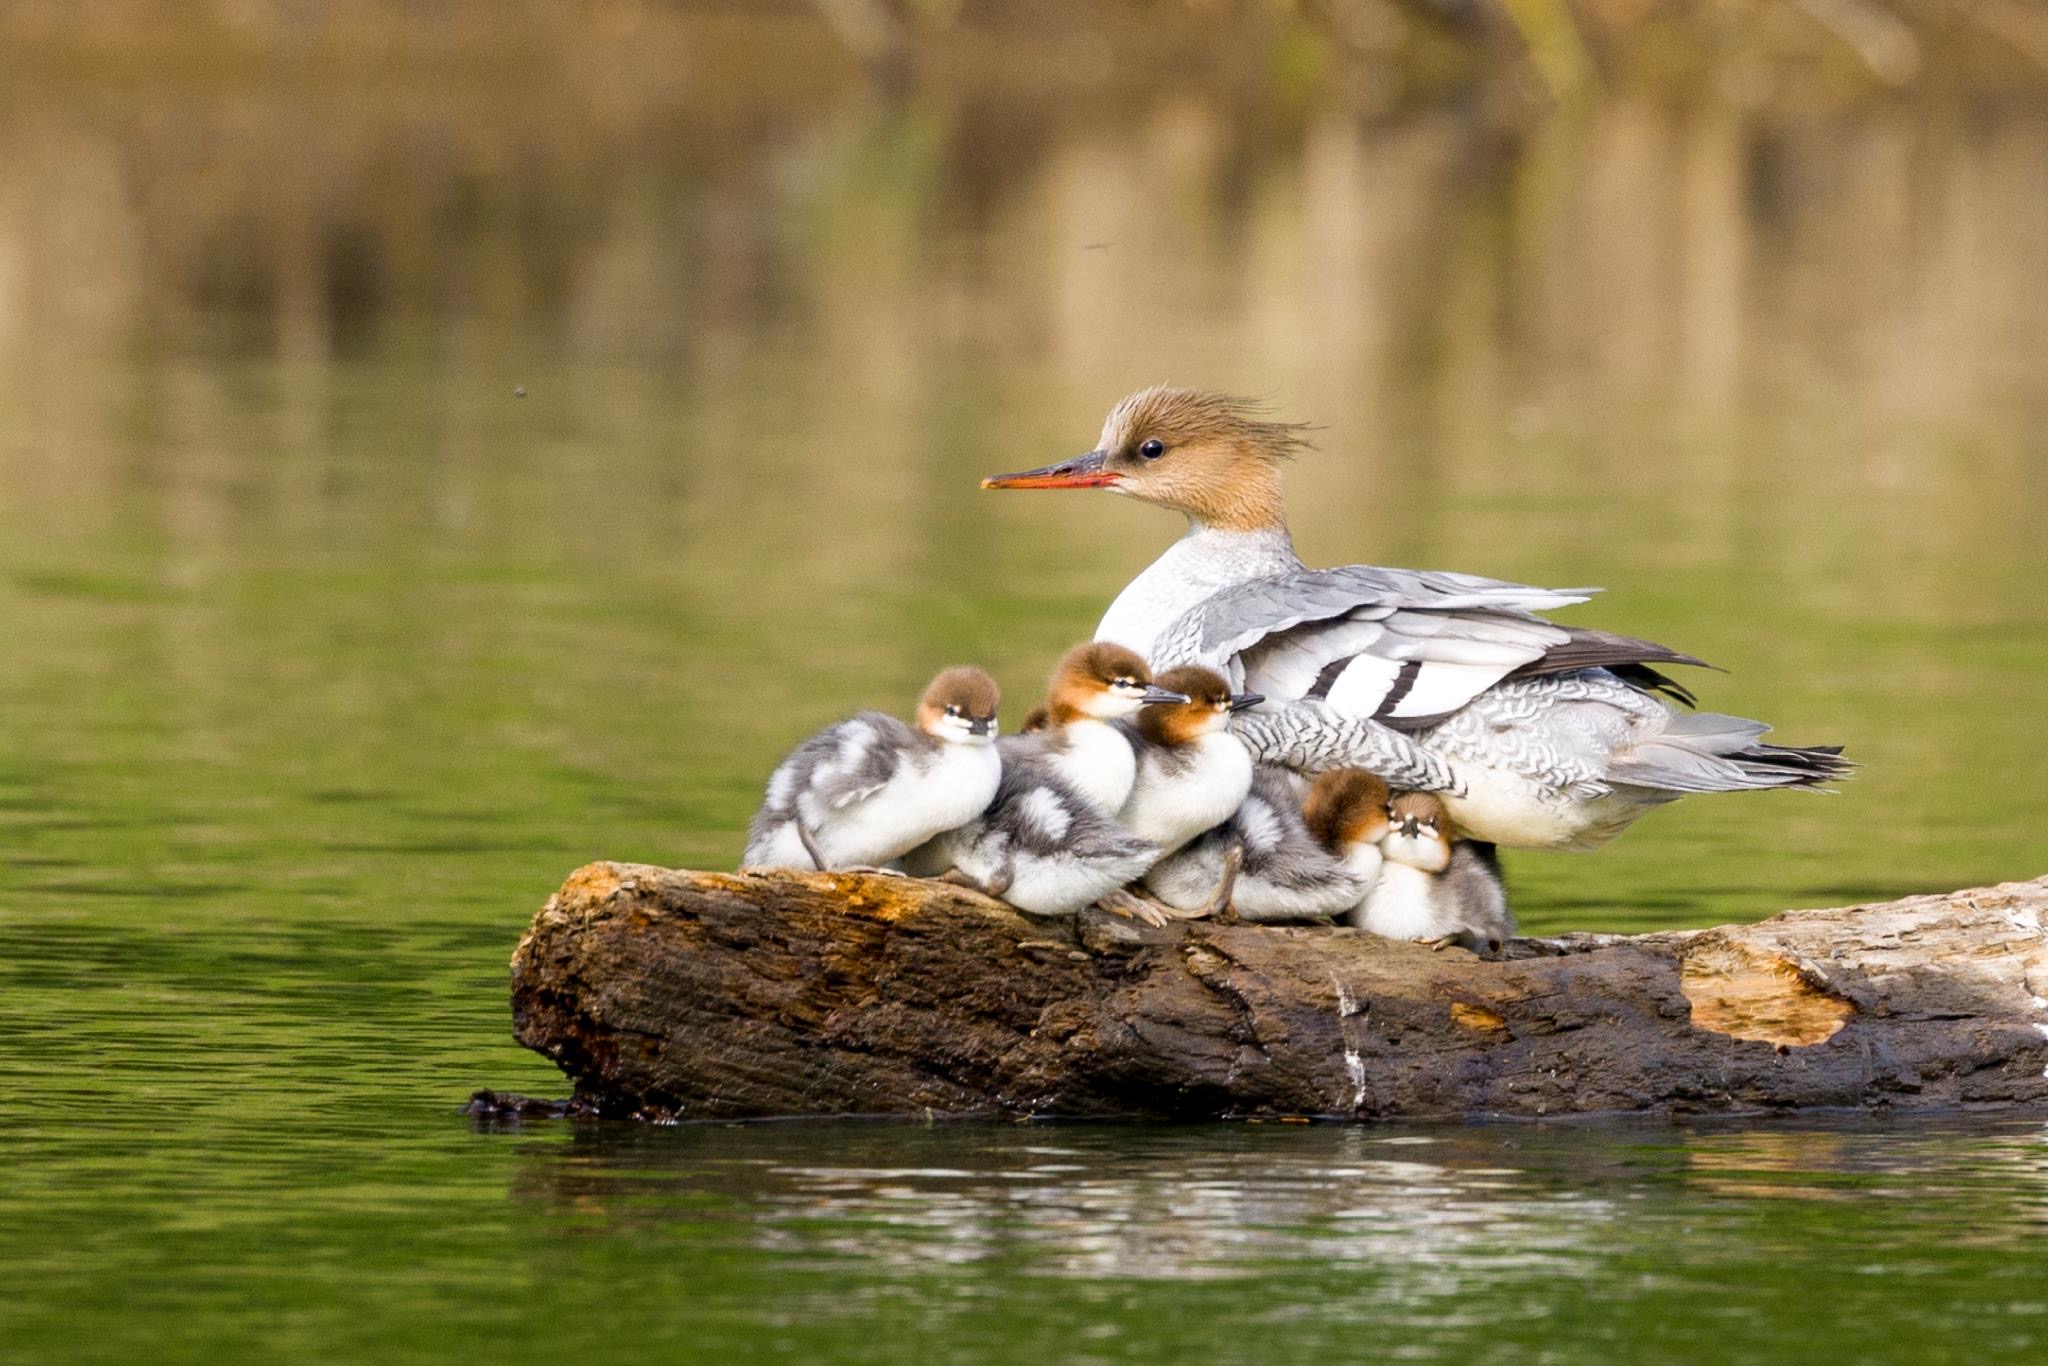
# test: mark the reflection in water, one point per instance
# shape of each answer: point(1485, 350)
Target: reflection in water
point(1433, 1213)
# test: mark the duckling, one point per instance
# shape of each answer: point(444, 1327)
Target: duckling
point(1037, 719)
point(1265, 862)
point(1050, 843)
point(1433, 888)
point(1346, 812)
point(1192, 774)
point(872, 788)
point(1095, 685)
point(1041, 846)
point(1191, 771)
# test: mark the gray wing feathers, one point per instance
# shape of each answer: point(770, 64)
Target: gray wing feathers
point(1354, 659)
point(1406, 645)
point(1310, 737)
point(855, 759)
point(1237, 618)
point(1709, 752)
point(1041, 816)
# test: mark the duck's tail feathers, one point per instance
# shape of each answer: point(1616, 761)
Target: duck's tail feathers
point(1709, 752)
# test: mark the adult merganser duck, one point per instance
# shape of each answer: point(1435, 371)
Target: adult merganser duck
point(1264, 863)
point(1534, 735)
point(1095, 685)
point(871, 788)
point(1433, 888)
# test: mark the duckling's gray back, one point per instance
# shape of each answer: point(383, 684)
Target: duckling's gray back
point(1472, 885)
point(1285, 874)
point(1044, 848)
point(838, 764)
point(1042, 816)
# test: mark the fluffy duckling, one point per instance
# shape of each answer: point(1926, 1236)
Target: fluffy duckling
point(1094, 686)
point(1346, 813)
point(1041, 846)
point(1433, 888)
point(1265, 862)
point(872, 788)
point(1192, 773)
point(1050, 843)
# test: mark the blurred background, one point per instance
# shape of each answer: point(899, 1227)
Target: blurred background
point(444, 443)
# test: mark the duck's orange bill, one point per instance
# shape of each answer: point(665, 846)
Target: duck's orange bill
point(1082, 472)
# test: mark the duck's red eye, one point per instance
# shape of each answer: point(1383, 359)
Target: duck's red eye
point(1152, 449)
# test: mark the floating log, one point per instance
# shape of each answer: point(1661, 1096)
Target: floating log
point(680, 995)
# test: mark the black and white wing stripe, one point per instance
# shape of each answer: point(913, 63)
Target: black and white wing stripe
point(1405, 647)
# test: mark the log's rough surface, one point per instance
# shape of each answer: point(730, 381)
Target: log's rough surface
point(712, 995)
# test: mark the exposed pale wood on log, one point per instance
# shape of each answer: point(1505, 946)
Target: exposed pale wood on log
point(712, 995)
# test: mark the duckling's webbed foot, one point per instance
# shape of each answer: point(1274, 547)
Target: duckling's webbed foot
point(1219, 903)
point(1131, 906)
point(810, 843)
point(995, 886)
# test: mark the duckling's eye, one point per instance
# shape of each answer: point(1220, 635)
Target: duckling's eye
point(952, 711)
point(1124, 683)
point(1152, 449)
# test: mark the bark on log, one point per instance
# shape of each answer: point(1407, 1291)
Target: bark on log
point(709, 995)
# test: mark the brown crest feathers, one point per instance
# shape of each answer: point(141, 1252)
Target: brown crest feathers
point(965, 687)
point(1184, 416)
point(1345, 806)
point(1101, 661)
point(1176, 723)
point(1421, 806)
point(1207, 687)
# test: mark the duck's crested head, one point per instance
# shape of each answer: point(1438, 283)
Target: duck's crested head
point(1345, 808)
point(1209, 455)
point(1102, 680)
point(1205, 706)
point(960, 705)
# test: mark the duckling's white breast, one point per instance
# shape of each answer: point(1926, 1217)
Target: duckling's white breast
point(1403, 905)
point(1098, 764)
point(1172, 803)
point(927, 794)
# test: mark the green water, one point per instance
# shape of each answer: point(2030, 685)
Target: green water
point(324, 656)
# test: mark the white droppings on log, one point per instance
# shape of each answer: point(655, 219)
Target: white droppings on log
point(1354, 1061)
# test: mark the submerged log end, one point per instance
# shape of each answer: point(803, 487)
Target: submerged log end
point(713, 995)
